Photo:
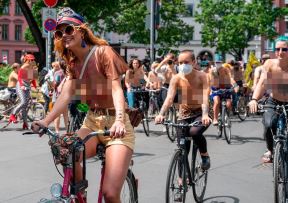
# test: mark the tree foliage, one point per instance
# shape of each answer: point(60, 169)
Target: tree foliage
point(229, 25)
point(128, 17)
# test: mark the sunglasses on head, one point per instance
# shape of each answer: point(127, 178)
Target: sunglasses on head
point(68, 30)
point(283, 49)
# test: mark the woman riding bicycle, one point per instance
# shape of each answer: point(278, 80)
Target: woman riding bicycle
point(98, 85)
point(26, 76)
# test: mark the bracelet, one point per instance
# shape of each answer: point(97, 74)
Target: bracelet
point(119, 115)
point(254, 100)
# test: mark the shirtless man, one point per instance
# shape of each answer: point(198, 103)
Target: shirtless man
point(258, 70)
point(274, 80)
point(154, 81)
point(13, 77)
point(165, 70)
point(220, 78)
point(193, 102)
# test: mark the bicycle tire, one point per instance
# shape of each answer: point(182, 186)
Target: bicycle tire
point(145, 123)
point(219, 126)
point(130, 187)
point(227, 127)
point(176, 161)
point(171, 131)
point(198, 175)
point(279, 174)
point(242, 109)
point(34, 110)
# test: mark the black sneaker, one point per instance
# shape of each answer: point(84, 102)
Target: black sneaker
point(205, 165)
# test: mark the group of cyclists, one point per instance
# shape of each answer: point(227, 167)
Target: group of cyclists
point(99, 77)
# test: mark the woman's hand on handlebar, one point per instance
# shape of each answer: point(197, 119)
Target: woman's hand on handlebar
point(117, 130)
point(37, 127)
point(206, 120)
point(159, 119)
point(253, 105)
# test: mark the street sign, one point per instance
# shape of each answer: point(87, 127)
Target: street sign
point(50, 24)
point(50, 3)
point(47, 13)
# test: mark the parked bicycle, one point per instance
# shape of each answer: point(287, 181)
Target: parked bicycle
point(280, 153)
point(66, 151)
point(224, 121)
point(183, 175)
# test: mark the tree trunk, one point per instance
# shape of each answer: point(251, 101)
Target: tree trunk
point(35, 31)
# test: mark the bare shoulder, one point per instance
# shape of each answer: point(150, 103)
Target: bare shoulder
point(270, 65)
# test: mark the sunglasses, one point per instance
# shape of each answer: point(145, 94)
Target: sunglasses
point(283, 49)
point(68, 30)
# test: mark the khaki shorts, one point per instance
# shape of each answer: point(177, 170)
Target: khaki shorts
point(95, 122)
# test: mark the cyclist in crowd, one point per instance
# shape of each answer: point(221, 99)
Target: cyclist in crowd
point(259, 70)
point(165, 70)
point(135, 78)
point(154, 81)
point(193, 102)
point(220, 78)
point(273, 79)
point(27, 75)
point(58, 80)
point(98, 85)
point(13, 77)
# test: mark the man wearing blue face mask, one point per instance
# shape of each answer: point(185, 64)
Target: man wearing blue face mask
point(193, 89)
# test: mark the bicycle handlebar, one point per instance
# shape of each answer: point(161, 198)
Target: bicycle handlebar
point(262, 107)
point(194, 124)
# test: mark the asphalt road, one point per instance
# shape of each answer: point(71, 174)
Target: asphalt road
point(236, 175)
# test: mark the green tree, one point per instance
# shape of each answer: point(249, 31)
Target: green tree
point(229, 25)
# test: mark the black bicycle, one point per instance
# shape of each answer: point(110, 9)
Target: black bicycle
point(141, 103)
point(224, 121)
point(280, 154)
point(183, 175)
point(76, 117)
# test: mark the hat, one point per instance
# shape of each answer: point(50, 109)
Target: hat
point(67, 16)
point(265, 56)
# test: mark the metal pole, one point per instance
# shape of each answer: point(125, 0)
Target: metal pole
point(152, 31)
point(48, 50)
point(46, 40)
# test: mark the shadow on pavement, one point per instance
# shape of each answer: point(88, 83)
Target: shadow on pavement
point(221, 199)
point(152, 133)
point(240, 140)
point(138, 154)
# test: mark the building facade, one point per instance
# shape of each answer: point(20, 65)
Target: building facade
point(12, 27)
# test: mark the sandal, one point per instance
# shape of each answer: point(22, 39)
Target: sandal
point(267, 157)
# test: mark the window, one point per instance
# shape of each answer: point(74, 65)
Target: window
point(6, 10)
point(269, 45)
point(17, 9)
point(5, 32)
point(18, 32)
point(5, 54)
point(189, 10)
point(286, 31)
point(18, 55)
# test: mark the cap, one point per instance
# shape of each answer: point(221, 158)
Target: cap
point(67, 16)
point(29, 57)
point(265, 56)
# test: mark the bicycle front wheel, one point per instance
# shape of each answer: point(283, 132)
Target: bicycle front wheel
point(129, 192)
point(175, 190)
point(171, 131)
point(279, 174)
point(242, 109)
point(227, 127)
point(199, 176)
point(36, 112)
point(145, 123)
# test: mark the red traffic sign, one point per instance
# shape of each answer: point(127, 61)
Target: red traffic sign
point(50, 24)
point(50, 3)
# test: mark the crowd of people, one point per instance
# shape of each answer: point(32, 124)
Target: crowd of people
point(90, 71)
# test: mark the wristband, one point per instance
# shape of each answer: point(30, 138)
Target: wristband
point(254, 100)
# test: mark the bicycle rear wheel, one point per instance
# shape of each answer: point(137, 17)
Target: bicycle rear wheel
point(175, 192)
point(129, 192)
point(219, 126)
point(280, 176)
point(36, 112)
point(242, 108)
point(199, 177)
point(227, 127)
point(171, 131)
